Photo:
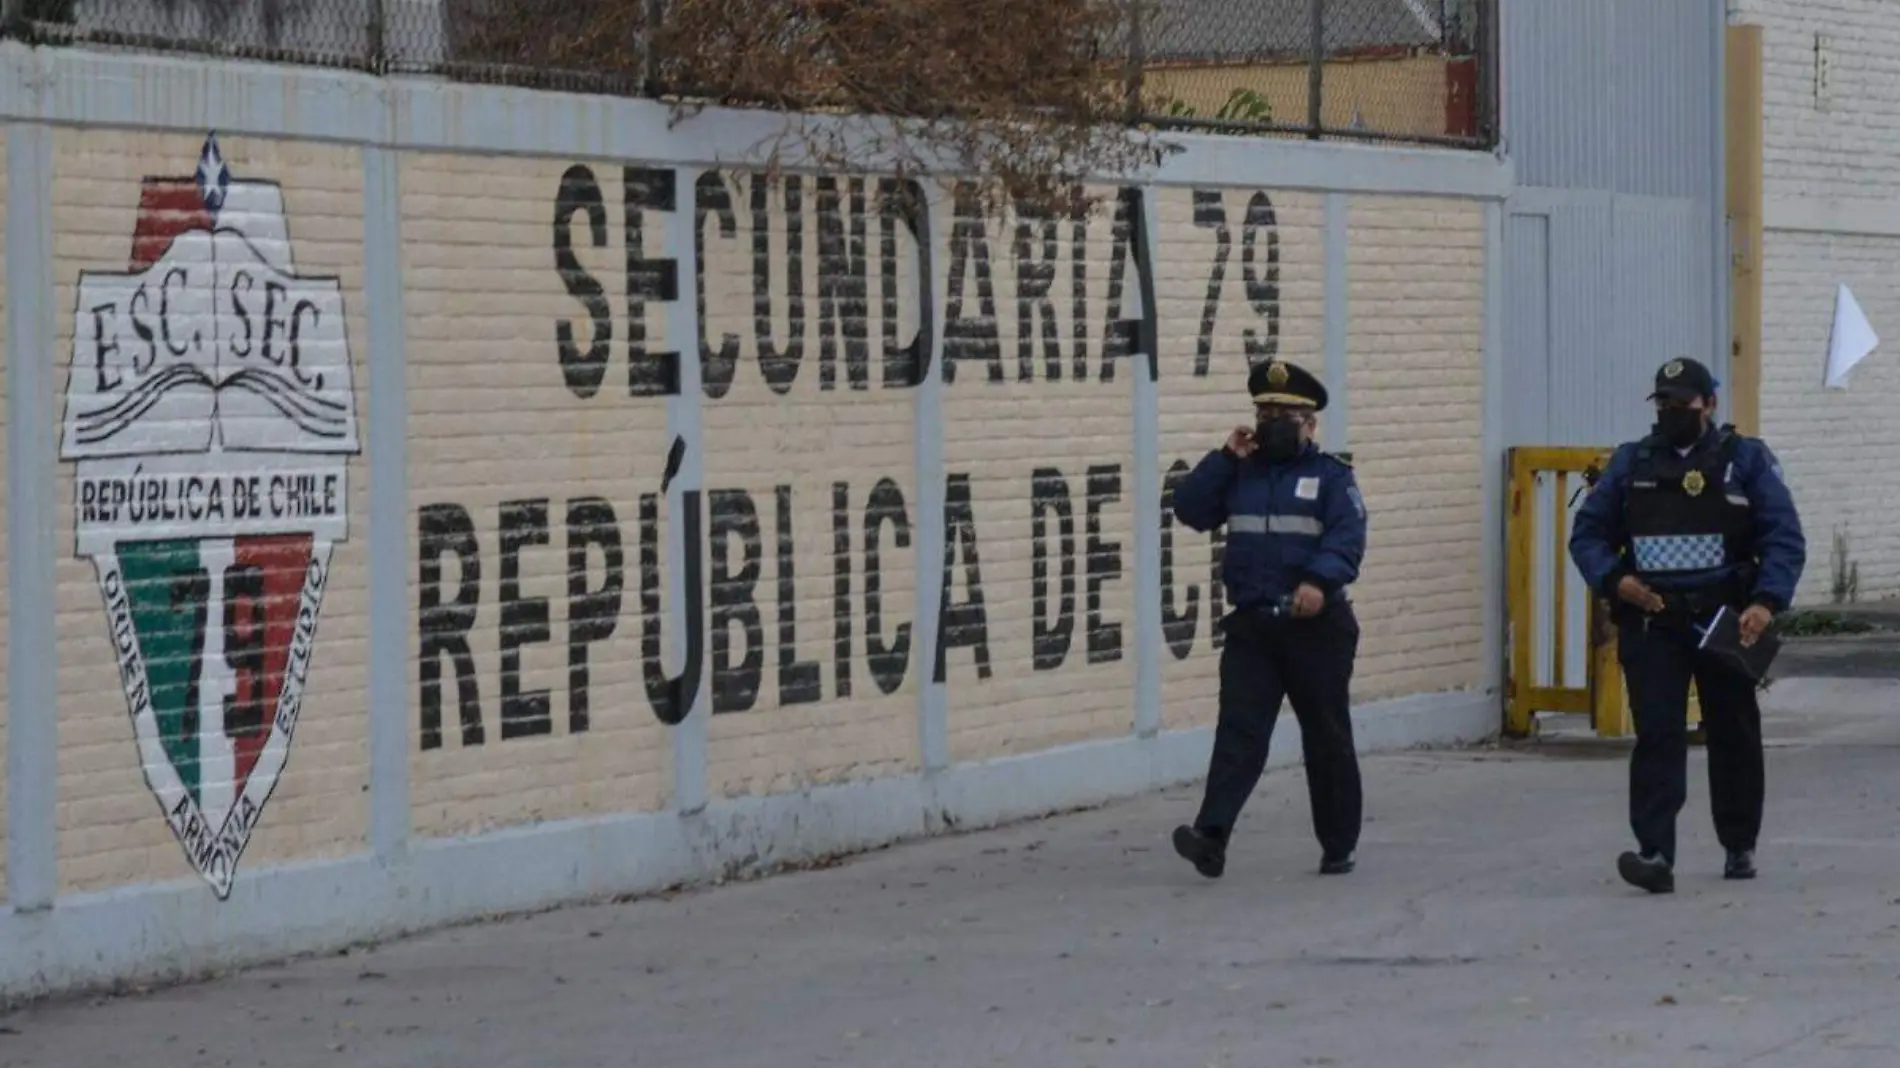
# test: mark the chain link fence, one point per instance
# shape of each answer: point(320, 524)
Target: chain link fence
point(1418, 71)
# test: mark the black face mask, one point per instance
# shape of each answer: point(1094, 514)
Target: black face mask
point(1279, 439)
point(1681, 427)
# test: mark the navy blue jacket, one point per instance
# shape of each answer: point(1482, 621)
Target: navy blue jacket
point(1598, 538)
point(1288, 523)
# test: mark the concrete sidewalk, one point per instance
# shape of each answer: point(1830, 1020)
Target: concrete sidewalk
point(1485, 927)
point(1874, 653)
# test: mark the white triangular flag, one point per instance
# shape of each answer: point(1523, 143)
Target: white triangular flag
point(1850, 341)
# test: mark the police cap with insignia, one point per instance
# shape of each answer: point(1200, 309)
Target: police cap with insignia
point(1683, 379)
point(1286, 384)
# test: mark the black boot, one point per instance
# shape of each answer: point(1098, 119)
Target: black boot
point(1741, 864)
point(1647, 871)
point(1207, 853)
point(1339, 865)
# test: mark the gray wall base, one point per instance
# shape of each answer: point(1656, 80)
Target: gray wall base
point(177, 931)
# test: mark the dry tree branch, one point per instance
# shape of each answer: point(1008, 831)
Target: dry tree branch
point(1026, 98)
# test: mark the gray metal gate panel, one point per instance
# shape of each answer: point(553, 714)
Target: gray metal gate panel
point(1527, 327)
point(1583, 375)
point(1664, 97)
point(1557, 90)
point(1663, 286)
point(1613, 95)
point(1612, 112)
point(1599, 290)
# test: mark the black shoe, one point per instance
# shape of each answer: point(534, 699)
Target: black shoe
point(1741, 864)
point(1649, 872)
point(1207, 854)
point(1336, 865)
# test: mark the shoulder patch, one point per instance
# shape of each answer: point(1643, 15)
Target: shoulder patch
point(1758, 455)
point(1358, 502)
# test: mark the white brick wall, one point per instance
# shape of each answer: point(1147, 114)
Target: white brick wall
point(1846, 147)
point(807, 459)
point(111, 833)
point(1840, 448)
point(491, 424)
point(527, 288)
point(1415, 271)
point(483, 301)
point(999, 431)
point(517, 450)
point(1832, 168)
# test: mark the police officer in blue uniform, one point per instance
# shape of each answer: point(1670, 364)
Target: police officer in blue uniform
point(1689, 519)
point(1296, 531)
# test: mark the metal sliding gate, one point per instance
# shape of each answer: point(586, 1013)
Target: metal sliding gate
point(1562, 645)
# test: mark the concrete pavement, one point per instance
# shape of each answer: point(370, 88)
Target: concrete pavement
point(1484, 927)
point(1874, 655)
point(1870, 654)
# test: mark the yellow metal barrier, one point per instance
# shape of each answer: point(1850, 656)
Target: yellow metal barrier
point(1533, 520)
point(1539, 584)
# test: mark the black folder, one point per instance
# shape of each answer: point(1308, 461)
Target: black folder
point(1722, 638)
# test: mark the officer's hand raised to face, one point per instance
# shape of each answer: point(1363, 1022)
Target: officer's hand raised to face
point(1633, 590)
point(1753, 622)
point(1241, 442)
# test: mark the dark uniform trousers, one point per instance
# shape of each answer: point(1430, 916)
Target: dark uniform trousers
point(1309, 662)
point(1659, 659)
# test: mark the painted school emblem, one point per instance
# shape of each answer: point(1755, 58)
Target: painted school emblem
point(211, 415)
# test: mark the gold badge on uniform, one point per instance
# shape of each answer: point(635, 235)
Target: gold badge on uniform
point(1672, 369)
point(1276, 375)
point(1693, 483)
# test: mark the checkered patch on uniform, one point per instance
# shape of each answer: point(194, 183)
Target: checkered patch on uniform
point(1694, 552)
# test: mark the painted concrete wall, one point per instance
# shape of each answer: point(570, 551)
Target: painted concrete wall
point(1399, 95)
point(1831, 214)
point(353, 582)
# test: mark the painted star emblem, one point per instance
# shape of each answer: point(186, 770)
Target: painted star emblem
point(214, 178)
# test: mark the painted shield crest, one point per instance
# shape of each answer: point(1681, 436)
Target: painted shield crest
point(210, 413)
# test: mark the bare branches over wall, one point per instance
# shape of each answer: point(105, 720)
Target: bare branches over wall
point(1030, 95)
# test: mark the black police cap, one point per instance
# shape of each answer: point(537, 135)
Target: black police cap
point(1289, 384)
point(1684, 379)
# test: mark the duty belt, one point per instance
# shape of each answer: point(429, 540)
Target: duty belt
point(1279, 608)
point(1693, 603)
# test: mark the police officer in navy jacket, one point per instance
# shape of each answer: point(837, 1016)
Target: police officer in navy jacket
point(1688, 520)
point(1296, 530)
